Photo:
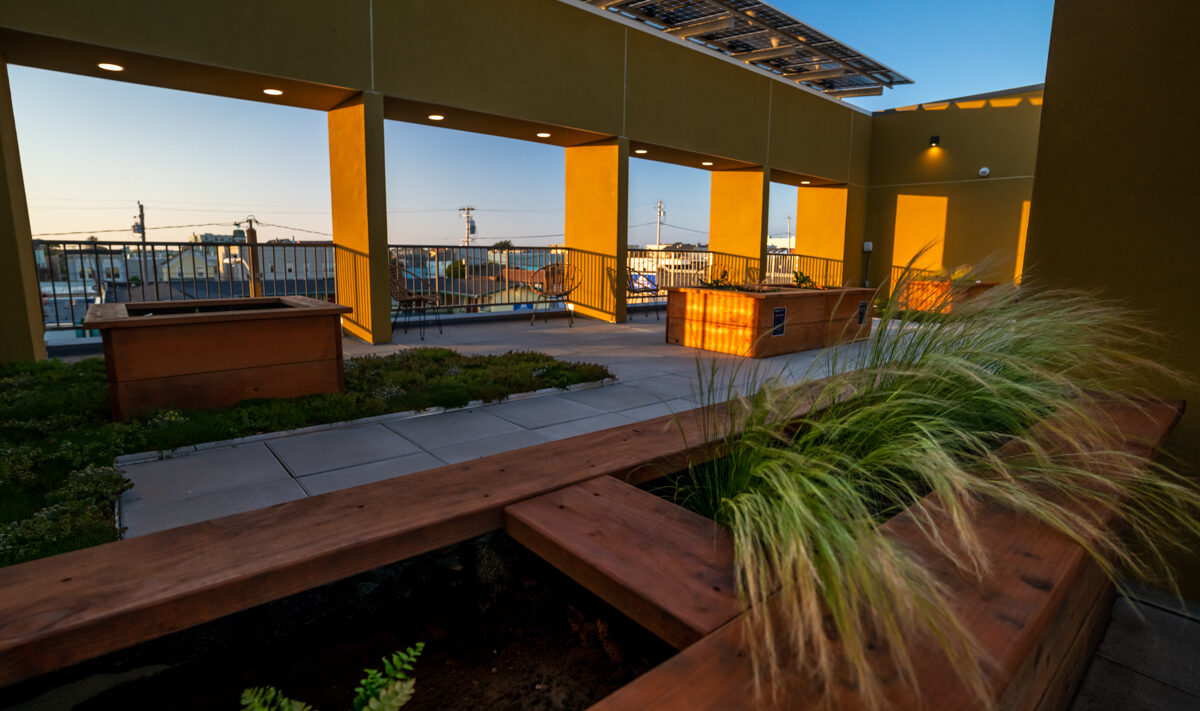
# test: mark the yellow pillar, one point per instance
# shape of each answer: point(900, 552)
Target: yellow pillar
point(359, 204)
point(737, 222)
point(821, 222)
point(597, 225)
point(20, 298)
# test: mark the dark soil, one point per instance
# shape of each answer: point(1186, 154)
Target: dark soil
point(502, 630)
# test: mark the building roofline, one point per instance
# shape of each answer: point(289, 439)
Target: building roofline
point(972, 97)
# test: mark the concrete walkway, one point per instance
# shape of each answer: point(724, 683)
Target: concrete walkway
point(653, 379)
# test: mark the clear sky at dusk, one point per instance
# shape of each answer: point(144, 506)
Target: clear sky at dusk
point(91, 148)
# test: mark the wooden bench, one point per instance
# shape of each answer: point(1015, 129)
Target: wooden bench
point(668, 569)
point(65, 609)
point(1039, 613)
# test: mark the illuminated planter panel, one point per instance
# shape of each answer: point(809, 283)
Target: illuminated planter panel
point(763, 324)
point(212, 353)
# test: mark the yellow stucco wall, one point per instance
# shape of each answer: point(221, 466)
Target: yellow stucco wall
point(359, 204)
point(1115, 201)
point(20, 303)
point(737, 215)
point(597, 221)
point(981, 224)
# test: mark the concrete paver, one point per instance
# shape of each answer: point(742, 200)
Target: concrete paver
point(495, 444)
point(615, 398)
point(194, 475)
point(588, 424)
point(433, 431)
point(654, 378)
point(366, 473)
point(541, 412)
point(210, 505)
point(337, 448)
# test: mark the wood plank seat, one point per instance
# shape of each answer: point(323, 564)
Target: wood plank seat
point(668, 569)
point(1039, 613)
point(68, 608)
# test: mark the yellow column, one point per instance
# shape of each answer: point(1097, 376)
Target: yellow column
point(597, 225)
point(359, 204)
point(737, 222)
point(20, 299)
point(821, 222)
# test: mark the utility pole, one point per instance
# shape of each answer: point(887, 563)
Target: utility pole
point(252, 246)
point(465, 212)
point(791, 247)
point(658, 225)
point(140, 228)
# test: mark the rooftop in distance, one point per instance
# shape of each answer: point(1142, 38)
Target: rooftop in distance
point(760, 34)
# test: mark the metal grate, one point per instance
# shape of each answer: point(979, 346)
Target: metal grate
point(766, 36)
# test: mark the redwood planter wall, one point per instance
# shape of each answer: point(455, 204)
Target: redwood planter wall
point(762, 324)
point(212, 353)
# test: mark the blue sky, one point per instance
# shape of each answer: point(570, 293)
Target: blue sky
point(91, 148)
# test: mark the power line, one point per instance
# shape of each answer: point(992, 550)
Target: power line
point(294, 229)
point(97, 232)
point(686, 229)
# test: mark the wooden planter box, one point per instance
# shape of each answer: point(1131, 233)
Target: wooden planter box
point(1039, 612)
point(762, 324)
point(212, 353)
point(932, 295)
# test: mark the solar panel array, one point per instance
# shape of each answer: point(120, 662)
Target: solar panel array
point(764, 35)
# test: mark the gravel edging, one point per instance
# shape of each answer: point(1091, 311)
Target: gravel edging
point(156, 454)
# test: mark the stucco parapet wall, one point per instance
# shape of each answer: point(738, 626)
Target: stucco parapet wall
point(551, 62)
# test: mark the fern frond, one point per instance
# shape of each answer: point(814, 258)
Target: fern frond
point(268, 698)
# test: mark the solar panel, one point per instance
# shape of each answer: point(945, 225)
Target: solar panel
point(763, 35)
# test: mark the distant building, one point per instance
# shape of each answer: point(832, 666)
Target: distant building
point(191, 263)
point(238, 237)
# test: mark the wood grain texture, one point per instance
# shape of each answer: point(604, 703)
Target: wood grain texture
point(742, 323)
point(136, 314)
point(160, 351)
point(218, 359)
point(62, 610)
point(227, 388)
point(1038, 612)
point(666, 568)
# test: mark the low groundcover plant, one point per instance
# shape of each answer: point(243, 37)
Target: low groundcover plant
point(999, 401)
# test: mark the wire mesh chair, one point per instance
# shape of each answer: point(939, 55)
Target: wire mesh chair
point(641, 286)
point(554, 282)
point(407, 301)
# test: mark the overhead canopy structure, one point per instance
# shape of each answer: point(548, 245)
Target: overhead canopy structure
point(758, 33)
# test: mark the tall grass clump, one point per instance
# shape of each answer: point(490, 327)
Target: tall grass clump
point(1000, 400)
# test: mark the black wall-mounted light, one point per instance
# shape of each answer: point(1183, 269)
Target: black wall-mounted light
point(934, 140)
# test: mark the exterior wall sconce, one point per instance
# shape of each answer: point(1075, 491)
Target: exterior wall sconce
point(934, 140)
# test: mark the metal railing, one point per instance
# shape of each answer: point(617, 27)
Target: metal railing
point(74, 275)
point(781, 269)
point(652, 271)
point(463, 280)
point(474, 279)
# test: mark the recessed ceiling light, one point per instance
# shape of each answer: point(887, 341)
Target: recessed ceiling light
point(707, 162)
point(110, 67)
point(543, 134)
point(273, 92)
point(640, 151)
point(806, 182)
point(435, 117)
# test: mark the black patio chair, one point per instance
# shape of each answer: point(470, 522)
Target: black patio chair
point(408, 301)
point(554, 282)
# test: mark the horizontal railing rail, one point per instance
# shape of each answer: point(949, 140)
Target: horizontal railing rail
point(470, 280)
point(782, 268)
point(72, 275)
point(652, 271)
point(458, 279)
